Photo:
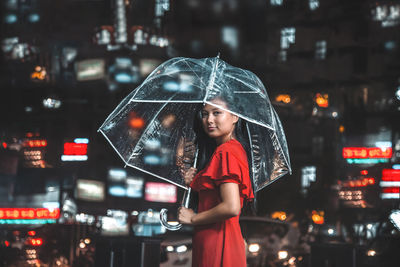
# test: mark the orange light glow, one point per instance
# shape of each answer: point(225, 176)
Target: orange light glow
point(136, 123)
point(318, 217)
point(280, 215)
point(283, 98)
point(39, 73)
point(341, 129)
point(36, 241)
point(36, 143)
point(322, 100)
point(358, 183)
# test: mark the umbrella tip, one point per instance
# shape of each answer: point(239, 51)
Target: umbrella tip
point(218, 55)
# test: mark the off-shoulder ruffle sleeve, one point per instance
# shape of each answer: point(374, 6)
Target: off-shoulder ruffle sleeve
point(225, 167)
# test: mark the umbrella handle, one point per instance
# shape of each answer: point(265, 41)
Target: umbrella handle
point(163, 213)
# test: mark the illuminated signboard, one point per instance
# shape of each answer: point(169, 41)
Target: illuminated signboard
point(390, 184)
point(76, 150)
point(28, 215)
point(90, 69)
point(90, 190)
point(352, 192)
point(160, 192)
point(367, 155)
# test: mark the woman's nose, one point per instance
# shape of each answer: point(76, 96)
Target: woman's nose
point(210, 118)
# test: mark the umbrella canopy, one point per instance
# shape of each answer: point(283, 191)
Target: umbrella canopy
point(152, 128)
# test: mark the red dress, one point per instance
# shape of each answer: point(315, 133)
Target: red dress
point(221, 243)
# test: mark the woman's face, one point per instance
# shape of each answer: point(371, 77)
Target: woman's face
point(218, 123)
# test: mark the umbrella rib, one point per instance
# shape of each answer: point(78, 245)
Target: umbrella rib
point(270, 182)
point(280, 147)
point(151, 76)
point(234, 78)
point(113, 146)
point(252, 157)
point(158, 176)
point(163, 101)
point(194, 72)
point(147, 128)
point(212, 79)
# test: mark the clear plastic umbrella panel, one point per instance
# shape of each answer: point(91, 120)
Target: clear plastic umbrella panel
point(152, 127)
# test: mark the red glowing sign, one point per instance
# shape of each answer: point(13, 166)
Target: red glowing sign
point(391, 190)
point(29, 213)
point(36, 143)
point(358, 183)
point(391, 175)
point(367, 153)
point(160, 192)
point(36, 242)
point(32, 233)
point(75, 149)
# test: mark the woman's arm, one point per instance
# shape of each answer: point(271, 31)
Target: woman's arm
point(229, 207)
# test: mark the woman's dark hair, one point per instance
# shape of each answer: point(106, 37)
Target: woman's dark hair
point(207, 145)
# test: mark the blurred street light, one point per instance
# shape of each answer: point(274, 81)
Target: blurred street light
point(397, 94)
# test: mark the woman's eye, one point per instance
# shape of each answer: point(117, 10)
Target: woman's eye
point(216, 113)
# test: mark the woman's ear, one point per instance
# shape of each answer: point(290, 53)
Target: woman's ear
point(235, 118)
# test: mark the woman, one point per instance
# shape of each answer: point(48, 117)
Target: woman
point(223, 185)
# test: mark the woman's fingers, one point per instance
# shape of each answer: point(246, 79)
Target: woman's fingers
point(189, 175)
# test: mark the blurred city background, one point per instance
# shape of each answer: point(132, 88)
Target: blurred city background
point(331, 69)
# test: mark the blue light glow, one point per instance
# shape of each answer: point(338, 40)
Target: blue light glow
point(117, 191)
point(10, 18)
point(396, 167)
point(123, 77)
point(81, 140)
point(171, 86)
point(152, 160)
point(366, 161)
point(27, 221)
point(33, 18)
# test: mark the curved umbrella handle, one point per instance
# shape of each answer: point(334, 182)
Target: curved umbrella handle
point(163, 213)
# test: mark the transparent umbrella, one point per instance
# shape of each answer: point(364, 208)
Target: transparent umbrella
point(152, 128)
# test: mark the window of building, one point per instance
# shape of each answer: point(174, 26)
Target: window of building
point(320, 50)
point(282, 55)
point(276, 2)
point(387, 14)
point(287, 37)
point(313, 4)
point(161, 7)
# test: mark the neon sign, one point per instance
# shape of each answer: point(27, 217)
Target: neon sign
point(28, 213)
point(75, 151)
point(367, 153)
point(358, 183)
point(390, 184)
point(366, 161)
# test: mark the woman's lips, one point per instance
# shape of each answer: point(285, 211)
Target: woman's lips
point(210, 129)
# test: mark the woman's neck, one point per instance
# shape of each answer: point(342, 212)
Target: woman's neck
point(224, 140)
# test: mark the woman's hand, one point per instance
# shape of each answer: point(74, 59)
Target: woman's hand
point(185, 215)
point(188, 175)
